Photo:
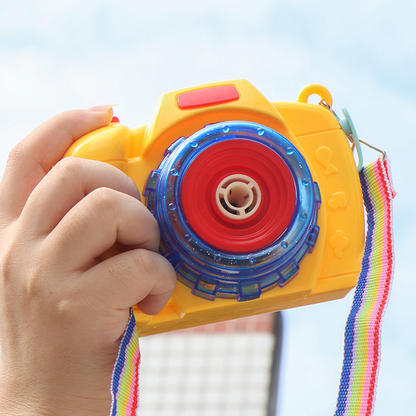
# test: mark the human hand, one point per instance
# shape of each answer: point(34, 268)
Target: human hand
point(63, 307)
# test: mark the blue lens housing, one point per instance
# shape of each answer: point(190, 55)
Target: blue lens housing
point(212, 273)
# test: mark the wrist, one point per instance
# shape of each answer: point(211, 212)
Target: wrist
point(32, 397)
point(17, 398)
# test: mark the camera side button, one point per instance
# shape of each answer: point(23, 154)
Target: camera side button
point(338, 200)
point(323, 156)
point(339, 242)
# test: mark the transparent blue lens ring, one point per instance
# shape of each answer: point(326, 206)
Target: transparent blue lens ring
point(210, 272)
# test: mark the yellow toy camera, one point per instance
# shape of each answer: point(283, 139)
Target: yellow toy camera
point(259, 203)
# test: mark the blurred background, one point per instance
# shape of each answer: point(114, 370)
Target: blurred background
point(59, 55)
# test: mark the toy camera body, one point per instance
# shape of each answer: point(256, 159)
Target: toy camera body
point(259, 203)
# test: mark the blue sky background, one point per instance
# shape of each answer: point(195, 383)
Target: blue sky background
point(58, 55)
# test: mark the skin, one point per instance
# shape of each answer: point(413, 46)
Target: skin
point(64, 307)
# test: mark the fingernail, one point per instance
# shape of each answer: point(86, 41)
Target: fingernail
point(101, 108)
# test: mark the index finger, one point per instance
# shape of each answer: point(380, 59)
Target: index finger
point(33, 157)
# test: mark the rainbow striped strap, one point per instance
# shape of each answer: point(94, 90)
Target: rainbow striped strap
point(125, 380)
point(363, 329)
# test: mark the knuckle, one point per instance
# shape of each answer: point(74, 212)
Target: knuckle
point(6, 266)
point(145, 261)
point(35, 283)
point(104, 200)
point(16, 154)
point(11, 276)
point(68, 309)
point(133, 264)
point(68, 167)
point(121, 268)
point(36, 280)
point(10, 257)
